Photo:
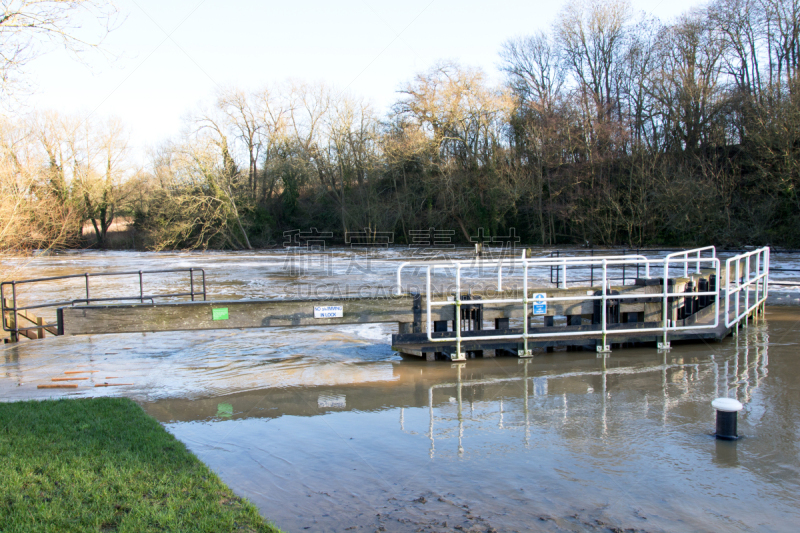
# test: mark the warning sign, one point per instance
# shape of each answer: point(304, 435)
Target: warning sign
point(329, 311)
point(539, 303)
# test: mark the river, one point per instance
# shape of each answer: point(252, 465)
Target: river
point(327, 429)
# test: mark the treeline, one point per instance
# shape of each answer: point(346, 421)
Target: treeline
point(58, 172)
point(611, 128)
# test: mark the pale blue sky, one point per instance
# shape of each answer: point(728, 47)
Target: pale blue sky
point(371, 47)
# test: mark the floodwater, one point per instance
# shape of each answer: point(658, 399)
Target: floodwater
point(327, 429)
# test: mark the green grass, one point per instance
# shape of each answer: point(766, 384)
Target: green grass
point(104, 465)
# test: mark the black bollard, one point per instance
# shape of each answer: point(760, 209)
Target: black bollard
point(727, 409)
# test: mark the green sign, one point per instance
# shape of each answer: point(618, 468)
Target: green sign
point(225, 410)
point(219, 313)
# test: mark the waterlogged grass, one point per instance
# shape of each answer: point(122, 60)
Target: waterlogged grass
point(104, 465)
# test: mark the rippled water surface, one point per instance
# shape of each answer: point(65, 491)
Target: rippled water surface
point(327, 429)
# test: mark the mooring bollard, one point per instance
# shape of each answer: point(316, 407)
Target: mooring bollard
point(727, 409)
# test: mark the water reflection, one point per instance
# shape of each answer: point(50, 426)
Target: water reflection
point(567, 441)
point(740, 383)
point(726, 453)
point(327, 429)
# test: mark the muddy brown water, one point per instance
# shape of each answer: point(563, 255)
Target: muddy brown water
point(326, 429)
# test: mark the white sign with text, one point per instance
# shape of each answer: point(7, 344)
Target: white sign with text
point(329, 311)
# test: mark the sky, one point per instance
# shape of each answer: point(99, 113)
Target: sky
point(169, 58)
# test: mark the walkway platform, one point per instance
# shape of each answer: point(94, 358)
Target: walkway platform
point(466, 319)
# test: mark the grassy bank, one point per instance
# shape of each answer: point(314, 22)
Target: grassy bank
point(104, 465)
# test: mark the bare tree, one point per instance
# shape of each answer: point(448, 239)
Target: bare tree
point(102, 184)
point(274, 138)
point(461, 114)
point(742, 24)
point(221, 175)
point(783, 28)
point(28, 28)
point(33, 215)
point(592, 36)
point(243, 117)
point(534, 69)
point(688, 83)
point(463, 119)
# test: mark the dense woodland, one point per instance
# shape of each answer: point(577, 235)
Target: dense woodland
point(611, 128)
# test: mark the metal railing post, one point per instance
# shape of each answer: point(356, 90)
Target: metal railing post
point(717, 289)
point(141, 288)
point(760, 278)
point(766, 280)
point(558, 272)
point(15, 330)
point(399, 288)
point(525, 351)
point(604, 311)
point(747, 291)
point(428, 296)
point(727, 292)
point(87, 288)
point(500, 276)
point(738, 288)
point(457, 323)
point(665, 343)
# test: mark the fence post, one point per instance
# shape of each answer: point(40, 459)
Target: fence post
point(664, 345)
point(9, 319)
point(13, 325)
point(747, 292)
point(604, 311)
point(738, 289)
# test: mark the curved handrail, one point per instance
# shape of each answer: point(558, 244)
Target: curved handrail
point(685, 254)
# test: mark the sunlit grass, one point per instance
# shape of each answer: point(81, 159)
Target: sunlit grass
point(105, 465)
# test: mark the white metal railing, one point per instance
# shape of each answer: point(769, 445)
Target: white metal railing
point(514, 262)
point(759, 280)
point(696, 251)
point(667, 324)
point(755, 278)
